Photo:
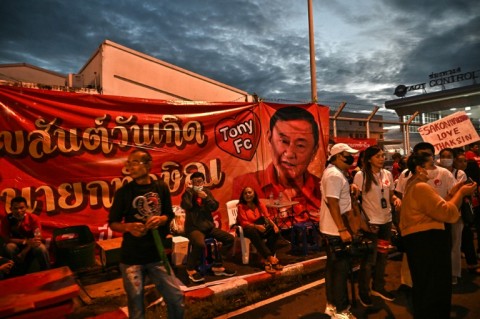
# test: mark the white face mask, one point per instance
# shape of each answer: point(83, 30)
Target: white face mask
point(197, 188)
point(446, 162)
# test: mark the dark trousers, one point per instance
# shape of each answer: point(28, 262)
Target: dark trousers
point(468, 246)
point(336, 276)
point(374, 263)
point(429, 261)
point(476, 223)
point(197, 240)
point(265, 248)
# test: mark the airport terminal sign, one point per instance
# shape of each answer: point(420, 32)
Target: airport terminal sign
point(455, 130)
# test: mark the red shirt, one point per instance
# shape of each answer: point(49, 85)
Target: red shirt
point(23, 228)
point(396, 170)
point(247, 216)
point(469, 155)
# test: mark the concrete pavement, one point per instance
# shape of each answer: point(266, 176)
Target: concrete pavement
point(105, 299)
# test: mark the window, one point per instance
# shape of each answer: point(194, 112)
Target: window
point(430, 117)
point(412, 128)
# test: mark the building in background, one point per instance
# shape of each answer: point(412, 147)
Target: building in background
point(354, 126)
point(436, 105)
point(27, 73)
point(117, 70)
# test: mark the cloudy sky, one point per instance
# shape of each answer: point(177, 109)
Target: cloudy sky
point(364, 49)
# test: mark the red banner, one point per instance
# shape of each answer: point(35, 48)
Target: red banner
point(65, 152)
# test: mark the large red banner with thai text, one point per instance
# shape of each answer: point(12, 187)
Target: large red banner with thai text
point(65, 152)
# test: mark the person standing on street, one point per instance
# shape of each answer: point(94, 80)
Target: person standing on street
point(335, 204)
point(440, 179)
point(140, 208)
point(447, 156)
point(422, 223)
point(376, 187)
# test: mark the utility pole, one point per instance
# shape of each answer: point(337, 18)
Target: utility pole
point(313, 68)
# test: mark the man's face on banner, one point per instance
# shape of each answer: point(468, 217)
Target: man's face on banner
point(293, 147)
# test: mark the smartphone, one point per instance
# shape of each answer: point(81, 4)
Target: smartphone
point(469, 181)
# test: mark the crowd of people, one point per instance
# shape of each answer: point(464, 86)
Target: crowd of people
point(424, 199)
point(421, 197)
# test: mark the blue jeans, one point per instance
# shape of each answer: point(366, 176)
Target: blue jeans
point(168, 285)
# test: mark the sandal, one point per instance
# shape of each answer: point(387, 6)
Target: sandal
point(269, 268)
point(277, 267)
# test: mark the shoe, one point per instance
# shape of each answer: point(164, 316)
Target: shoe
point(330, 310)
point(346, 314)
point(365, 300)
point(454, 280)
point(225, 272)
point(196, 277)
point(382, 293)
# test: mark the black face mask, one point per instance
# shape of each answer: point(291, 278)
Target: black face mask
point(349, 159)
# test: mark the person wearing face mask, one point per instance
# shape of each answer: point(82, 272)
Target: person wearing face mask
point(199, 204)
point(293, 138)
point(447, 156)
point(376, 186)
point(439, 178)
point(423, 216)
point(335, 205)
point(21, 232)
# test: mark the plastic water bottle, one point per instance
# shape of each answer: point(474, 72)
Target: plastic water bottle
point(280, 197)
point(270, 198)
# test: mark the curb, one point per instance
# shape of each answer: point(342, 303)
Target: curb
point(231, 286)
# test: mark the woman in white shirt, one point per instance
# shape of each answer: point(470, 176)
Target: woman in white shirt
point(376, 185)
point(446, 161)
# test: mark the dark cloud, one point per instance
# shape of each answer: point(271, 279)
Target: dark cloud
point(363, 49)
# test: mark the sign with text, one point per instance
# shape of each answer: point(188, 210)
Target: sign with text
point(455, 130)
point(65, 152)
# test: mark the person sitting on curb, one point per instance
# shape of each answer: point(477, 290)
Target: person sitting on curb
point(21, 232)
point(199, 203)
point(6, 266)
point(257, 226)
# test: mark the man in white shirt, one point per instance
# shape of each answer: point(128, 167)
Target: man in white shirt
point(336, 201)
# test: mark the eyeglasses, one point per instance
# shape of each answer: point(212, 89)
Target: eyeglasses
point(134, 163)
